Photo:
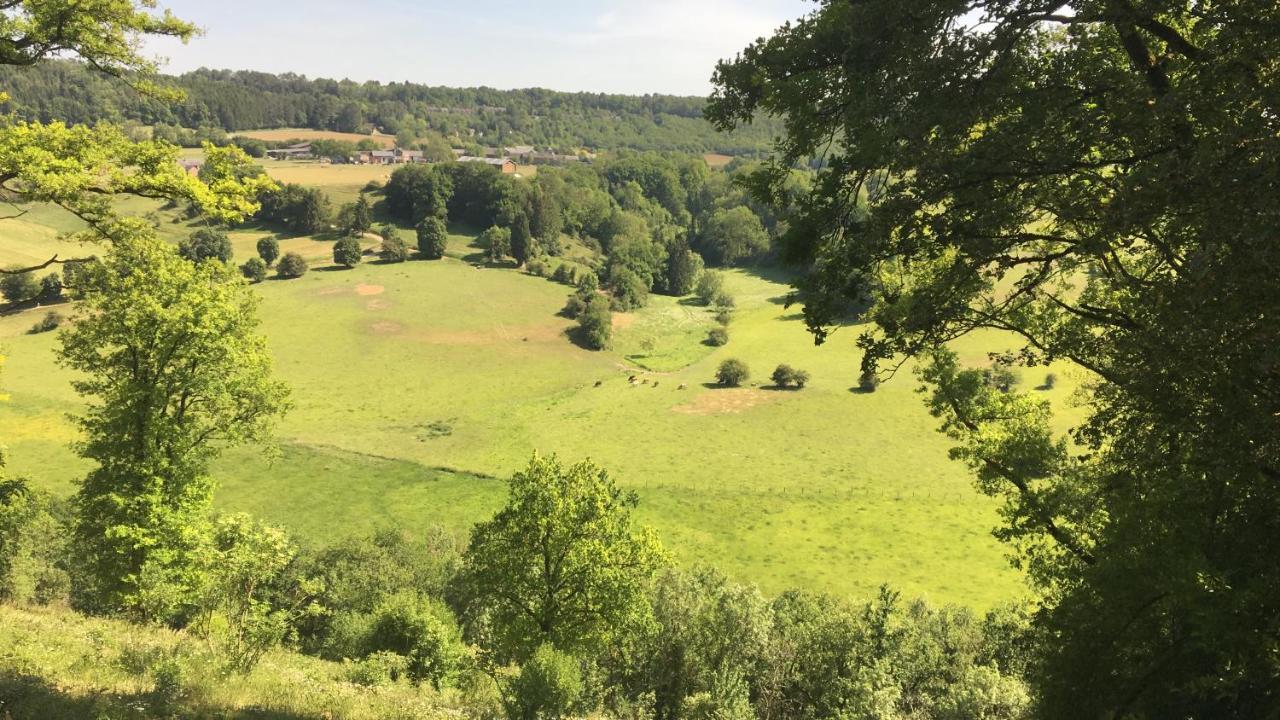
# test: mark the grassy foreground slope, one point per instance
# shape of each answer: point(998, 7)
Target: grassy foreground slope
point(416, 385)
point(59, 664)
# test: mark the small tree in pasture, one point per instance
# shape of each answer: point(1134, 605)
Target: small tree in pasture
point(732, 373)
point(347, 252)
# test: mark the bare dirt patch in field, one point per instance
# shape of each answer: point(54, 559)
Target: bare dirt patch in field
point(363, 289)
point(386, 328)
point(329, 292)
point(377, 304)
point(716, 160)
point(720, 402)
point(623, 320)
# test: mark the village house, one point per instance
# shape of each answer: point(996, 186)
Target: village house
point(506, 165)
point(389, 157)
point(191, 167)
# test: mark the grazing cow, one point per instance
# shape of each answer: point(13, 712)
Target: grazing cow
point(682, 386)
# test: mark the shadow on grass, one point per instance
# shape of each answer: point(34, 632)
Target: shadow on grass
point(26, 697)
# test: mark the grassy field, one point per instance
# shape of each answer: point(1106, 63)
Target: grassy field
point(417, 386)
point(281, 134)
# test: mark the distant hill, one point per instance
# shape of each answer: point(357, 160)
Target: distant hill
point(244, 100)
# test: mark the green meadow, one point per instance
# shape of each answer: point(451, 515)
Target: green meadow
point(418, 386)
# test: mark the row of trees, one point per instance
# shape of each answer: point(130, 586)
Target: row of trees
point(221, 100)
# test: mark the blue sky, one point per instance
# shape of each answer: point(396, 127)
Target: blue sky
point(667, 46)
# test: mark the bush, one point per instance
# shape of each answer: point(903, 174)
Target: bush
point(347, 252)
point(206, 244)
point(536, 266)
point(380, 668)
point(292, 265)
point(574, 307)
point(1000, 376)
point(868, 381)
point(20, 287)
point(496, 242)
point(268, 250)
point(724, 316)
point(255, 269)
point(595, 324)
point(1050, 381)
point(548, 687)
point(422, 631)
point(785, 376)
point(732, 373)
point(50, 288)
point(710, 286)
point(564, 274)
point(718, 337)
point(629, 290)
point(49, 322)
point(394, 250)
point(433, 238)
point(723, 301)
point(32, 546)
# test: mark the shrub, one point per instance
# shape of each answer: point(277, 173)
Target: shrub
point(433, 238)
point(255, 269)
point(422, 631)
point(50, 288)
point(268, 250)
point(380, 668)
point(732, 373)
point(724, 316)
point(868, 381)
point(723, 301)
point(393, 250)
point(1050, 381)
point(32, 546)
point(629, 290)
point(19, 287)
point(710, 286)
point(718, 337)
point(49, 322)
point(548, 686)
point(496, 242)
point(206, 244)
point(247, 559)
point(347, 252)
point(595, 324)
point(574, 307)
point(536, 266)
point(786, 376)
point(292, 265)
point(563, 274)
point(1000, 376)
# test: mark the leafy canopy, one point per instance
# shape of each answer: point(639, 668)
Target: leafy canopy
point(561, 563)
point(1096, 179)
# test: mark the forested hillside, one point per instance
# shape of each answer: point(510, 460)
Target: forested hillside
point(243, 100)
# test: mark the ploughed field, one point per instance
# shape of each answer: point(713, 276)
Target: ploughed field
point(418, 386)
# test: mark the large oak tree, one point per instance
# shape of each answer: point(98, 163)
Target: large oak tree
point(1098, 179)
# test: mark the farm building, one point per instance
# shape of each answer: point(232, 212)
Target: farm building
point(301, 151)
point(191, 167)
point(389, 157)
point(506, 165)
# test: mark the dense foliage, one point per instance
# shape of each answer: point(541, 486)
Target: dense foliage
point(245, 100)
point(1097, 180)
